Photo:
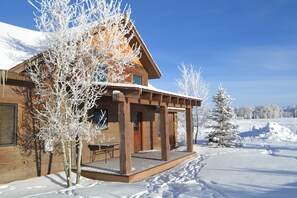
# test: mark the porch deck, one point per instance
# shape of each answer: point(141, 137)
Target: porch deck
point(144, 164)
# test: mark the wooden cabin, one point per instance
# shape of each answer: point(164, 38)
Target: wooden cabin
point(139, 117)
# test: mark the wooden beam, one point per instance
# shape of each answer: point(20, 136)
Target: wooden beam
point(157, 97)
point(134, 100)
point(132, 93)
point(144, 102)
point(171, 105)
point(181, 101)
point(188, 102)
point(16, 76)
point(164, 133)
point(125, 132)
point(154, 103)
point(174, 100)
point(147, 96)
point(166, 98)
point(189, 127)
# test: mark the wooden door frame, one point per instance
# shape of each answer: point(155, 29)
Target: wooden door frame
point(140, 129)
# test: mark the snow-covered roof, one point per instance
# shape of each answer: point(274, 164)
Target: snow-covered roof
point(147, 88)
point(17, 45)
point(152, 88)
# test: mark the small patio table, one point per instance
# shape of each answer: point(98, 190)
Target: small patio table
point(105, 147)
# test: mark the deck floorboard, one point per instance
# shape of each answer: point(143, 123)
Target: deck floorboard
point(144, 164)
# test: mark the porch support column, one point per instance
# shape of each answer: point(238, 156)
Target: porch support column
point(189, 127)
point(124, 130)
point(164, 133)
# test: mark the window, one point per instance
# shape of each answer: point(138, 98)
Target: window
point(136, 124)
point(102, 74)
point(137, 80)
point(8, 124)
point(101, 118)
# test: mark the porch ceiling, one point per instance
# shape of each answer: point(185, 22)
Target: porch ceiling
point(143, 95)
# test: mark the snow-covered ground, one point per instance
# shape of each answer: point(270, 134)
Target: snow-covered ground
point(266, 166)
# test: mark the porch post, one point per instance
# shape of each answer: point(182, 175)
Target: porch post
point(124, 130)
point(189, 127)
point(164, 133)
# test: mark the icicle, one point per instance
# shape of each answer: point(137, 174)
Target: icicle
point(3, 78)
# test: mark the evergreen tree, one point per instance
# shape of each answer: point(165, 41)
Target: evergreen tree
point(224, 133)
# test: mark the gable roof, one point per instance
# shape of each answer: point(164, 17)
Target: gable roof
point(18, 44)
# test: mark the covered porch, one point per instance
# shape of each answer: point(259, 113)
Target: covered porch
point(144, 164)
point(132, 163)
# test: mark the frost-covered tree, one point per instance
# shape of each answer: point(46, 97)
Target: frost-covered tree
point(224, 133)
point(191, 83)
point(85, 38)
point(244, 112)
point(268, 111)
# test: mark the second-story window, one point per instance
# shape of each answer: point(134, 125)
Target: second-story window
point(137, 80)
point(102, 74)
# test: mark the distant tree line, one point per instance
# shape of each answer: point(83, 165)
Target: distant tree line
point(265, 111)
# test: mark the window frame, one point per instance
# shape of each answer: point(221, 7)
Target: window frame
point(135, 122)
point(102, 70)
point(139, 78)
point(15, 124)
point(106, 114)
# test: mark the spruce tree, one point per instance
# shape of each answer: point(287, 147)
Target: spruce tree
point(224, 133)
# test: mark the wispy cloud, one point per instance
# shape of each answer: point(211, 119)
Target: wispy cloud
point(260, 91)
point(272, 58)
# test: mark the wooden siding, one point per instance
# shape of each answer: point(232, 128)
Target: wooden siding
point(15, 163)
point(138, 70)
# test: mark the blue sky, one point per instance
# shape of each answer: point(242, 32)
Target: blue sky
point(250, 46)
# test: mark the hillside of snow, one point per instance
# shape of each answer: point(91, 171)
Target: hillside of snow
point(264, 167)
point(272, 131)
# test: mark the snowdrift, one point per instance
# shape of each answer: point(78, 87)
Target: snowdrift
point(272, 131)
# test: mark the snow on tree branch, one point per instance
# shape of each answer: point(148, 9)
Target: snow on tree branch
point(191, 83)
point(224, 132)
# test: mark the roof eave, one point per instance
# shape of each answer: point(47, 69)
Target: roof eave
point(156, 97)
point(152, 68)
